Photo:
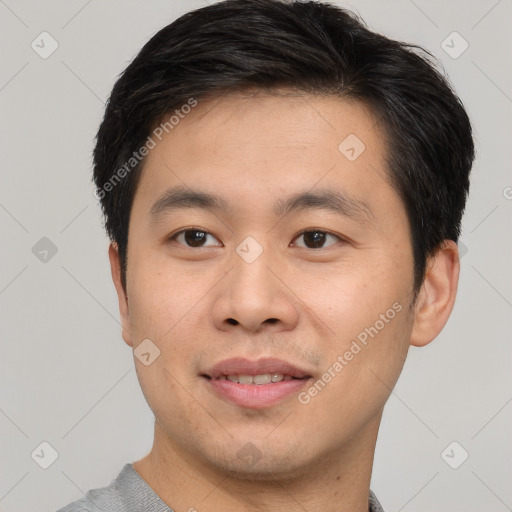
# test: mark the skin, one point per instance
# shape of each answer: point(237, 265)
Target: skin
point(253, 150)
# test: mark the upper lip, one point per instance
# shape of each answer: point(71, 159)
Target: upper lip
point(242, 366)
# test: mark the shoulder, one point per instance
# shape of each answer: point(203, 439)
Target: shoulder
point(104, 499)
point(129, 492)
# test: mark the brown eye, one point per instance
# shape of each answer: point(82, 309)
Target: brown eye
point(316, 239)
point(194, 238)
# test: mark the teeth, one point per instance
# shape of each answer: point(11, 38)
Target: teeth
point(262, 379)
point(265, 378)
point(245, 379)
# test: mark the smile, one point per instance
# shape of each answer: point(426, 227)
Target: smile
point(264, 378)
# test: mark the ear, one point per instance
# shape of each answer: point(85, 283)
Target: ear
point(437, 294)
point(115, 267)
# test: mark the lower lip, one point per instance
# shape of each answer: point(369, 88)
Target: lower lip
point(256, 396)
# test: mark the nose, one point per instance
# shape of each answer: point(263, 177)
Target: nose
point(254, 296)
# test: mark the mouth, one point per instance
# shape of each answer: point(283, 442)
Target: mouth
point(255, 384)
point(258, 380)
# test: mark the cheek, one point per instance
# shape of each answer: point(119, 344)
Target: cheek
point(365, 360)
point(349, 296)
point(166, 307)
point(368, 325)
point(164, 300)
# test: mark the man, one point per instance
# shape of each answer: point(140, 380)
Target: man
point(283, 189)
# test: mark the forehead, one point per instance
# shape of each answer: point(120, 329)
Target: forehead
point(270, 145)
point(278, 120)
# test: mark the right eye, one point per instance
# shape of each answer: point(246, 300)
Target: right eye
point(194, 238)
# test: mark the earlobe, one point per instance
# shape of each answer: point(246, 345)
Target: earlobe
point(115, 267)
point(437, 295)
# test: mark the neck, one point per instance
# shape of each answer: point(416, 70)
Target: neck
point(335, 482)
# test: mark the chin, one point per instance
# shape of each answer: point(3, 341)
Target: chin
point(264, 464)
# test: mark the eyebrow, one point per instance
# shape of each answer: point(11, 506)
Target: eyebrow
point(180, 197)
point(325, 199)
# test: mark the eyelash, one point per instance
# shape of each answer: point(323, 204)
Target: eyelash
point(196, 229)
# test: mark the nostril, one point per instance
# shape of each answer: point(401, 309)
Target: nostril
point(232, 321)
point(271, 320)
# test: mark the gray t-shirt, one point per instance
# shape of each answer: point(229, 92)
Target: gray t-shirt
point(129, 492)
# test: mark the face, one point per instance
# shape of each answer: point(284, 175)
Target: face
point(279, 307)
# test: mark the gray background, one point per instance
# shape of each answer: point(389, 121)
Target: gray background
point(67, 376)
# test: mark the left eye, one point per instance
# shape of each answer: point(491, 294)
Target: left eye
point(194, 238)
point(316, 239)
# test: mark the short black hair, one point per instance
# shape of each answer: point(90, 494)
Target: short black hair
point(308, 46)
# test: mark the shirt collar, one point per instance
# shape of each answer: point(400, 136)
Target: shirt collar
point(373, 503)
